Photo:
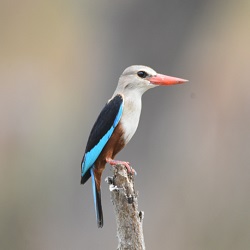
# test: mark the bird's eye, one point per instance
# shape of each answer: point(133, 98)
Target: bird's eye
point(142, 74)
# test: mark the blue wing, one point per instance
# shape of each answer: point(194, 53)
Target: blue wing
point(100, 133)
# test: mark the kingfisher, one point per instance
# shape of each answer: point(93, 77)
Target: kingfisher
point(116, 124)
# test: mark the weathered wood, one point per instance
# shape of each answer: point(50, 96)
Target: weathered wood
point(128, 219)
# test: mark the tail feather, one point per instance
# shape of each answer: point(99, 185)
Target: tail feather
point(97, 200)
point(85, 177)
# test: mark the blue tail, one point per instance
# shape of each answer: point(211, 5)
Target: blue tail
point(97, 200)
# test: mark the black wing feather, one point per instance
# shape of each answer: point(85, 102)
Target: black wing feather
point(104, 121)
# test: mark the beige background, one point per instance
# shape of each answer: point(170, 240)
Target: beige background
point(59, 64)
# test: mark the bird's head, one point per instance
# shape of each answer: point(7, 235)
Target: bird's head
point(141, 78)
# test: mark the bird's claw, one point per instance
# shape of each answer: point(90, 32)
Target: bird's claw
point(125, 163)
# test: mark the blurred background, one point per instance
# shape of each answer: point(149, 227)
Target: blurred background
point(60, 62)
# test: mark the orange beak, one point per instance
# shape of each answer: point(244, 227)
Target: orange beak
point(160, 79)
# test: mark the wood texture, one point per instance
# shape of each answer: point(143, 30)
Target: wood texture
point(128, 219)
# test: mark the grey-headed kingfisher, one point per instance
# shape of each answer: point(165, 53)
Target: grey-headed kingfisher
point(116, 125)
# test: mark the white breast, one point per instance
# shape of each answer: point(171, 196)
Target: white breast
point(131, 116)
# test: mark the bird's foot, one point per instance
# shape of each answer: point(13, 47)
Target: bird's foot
point(125, 163)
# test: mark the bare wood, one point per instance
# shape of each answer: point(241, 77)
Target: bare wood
point(128, 219)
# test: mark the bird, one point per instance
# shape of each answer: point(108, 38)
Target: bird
point(116, 125)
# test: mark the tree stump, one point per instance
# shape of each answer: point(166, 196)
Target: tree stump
point(128, 219)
